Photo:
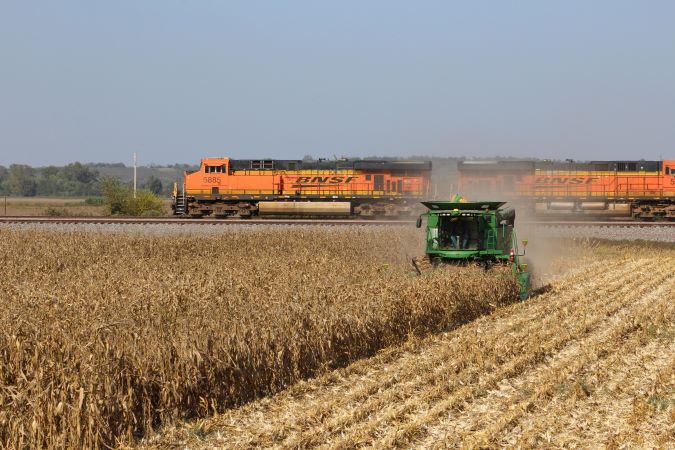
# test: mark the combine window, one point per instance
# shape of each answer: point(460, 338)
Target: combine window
point(667, 170)
point(367, 177)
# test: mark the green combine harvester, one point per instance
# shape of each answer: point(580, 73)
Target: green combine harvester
point(465, 233)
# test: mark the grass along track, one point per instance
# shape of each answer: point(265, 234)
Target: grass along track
point(550, 371)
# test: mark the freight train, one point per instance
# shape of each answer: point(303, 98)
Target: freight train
point(224, 187)
point(639, 189)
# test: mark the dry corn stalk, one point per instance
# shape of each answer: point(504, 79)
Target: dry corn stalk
point(105, 336)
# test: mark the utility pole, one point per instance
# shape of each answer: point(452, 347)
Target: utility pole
point(134, 174)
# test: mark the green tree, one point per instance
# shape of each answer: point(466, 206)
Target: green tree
point(154, 185)
point(49, 171)
point(80, 173)
point(120, 200)
point(77, 179)
point(4, 174)
point(50, 181)
point(21, 180)
point(116, 195)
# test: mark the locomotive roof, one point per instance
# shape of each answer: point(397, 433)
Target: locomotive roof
point(483, 166)
point(529, 166)
point(297, 164)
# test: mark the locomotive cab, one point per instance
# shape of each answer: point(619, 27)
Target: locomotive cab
point(669, 168)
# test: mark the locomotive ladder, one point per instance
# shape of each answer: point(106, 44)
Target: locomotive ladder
point(181, 205)
point(181, 202)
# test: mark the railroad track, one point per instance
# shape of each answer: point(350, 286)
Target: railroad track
point(179, 221)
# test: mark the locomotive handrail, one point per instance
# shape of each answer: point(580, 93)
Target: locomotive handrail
point(291, 192)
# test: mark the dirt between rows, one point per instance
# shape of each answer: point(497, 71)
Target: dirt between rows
point(588, 364)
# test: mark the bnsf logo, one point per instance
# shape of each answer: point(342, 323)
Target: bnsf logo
point(304, 181)
point(567, 180)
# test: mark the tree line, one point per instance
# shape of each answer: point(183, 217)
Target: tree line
point(75, 179)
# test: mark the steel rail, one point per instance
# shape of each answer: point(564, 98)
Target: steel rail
point(186, 221)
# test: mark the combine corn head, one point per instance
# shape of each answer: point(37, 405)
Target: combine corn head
point(463, 233)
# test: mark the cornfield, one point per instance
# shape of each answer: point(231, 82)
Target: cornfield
point(588, 364)
point(107, 336)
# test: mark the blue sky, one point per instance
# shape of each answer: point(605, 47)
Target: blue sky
point(179, 80)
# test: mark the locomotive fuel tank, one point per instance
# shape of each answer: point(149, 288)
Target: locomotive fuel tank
point(304, 209)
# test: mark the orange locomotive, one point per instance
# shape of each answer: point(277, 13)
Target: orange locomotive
point(641, 189)
point(223, 187)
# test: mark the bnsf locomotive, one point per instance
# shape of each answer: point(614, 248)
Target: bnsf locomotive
point(639, 189)
point(223, 187)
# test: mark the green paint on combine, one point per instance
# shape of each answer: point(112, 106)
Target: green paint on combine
point(472, 232)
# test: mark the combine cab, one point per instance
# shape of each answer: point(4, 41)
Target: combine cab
point(472, 233)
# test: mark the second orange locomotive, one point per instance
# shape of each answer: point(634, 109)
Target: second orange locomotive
point(641, 189)
point(224, 187)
